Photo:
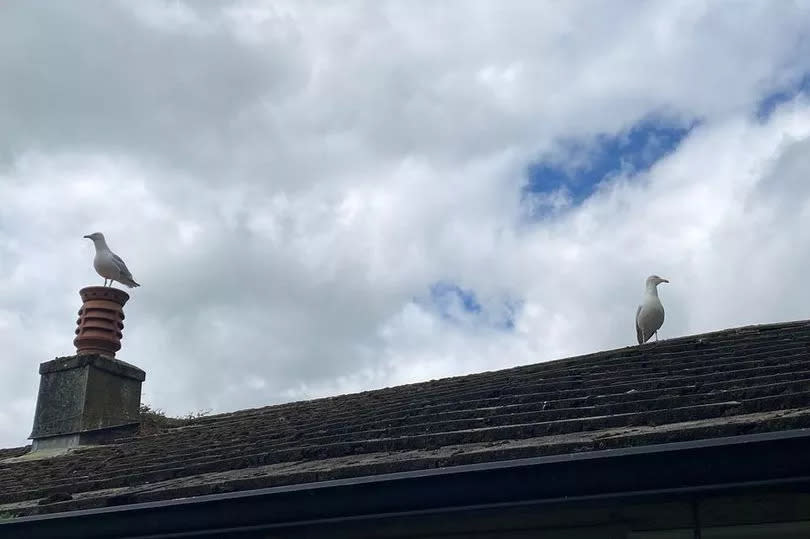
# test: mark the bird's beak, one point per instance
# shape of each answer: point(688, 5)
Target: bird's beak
point(88, 237)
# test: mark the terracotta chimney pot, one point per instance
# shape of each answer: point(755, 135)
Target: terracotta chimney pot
point(101, 320)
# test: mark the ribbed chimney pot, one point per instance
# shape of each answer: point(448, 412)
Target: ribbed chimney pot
point(101, 321)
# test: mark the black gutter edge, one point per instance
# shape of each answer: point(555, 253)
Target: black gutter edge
point(756, 460)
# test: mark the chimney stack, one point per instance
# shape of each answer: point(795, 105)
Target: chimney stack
point(91, 397)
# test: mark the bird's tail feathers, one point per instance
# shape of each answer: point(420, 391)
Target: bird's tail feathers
point(130, 283)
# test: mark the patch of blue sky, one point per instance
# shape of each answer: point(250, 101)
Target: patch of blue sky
point(461, 306)
point(768, 104)
point(448, 297)
point(575, 172)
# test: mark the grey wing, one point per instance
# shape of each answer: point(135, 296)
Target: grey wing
point(639, 334)
point(121, 266)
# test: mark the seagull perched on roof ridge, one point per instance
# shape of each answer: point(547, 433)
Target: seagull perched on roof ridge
point(650, 314)
point(108, 264)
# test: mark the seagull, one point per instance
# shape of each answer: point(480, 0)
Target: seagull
point(108, 264)
point(650, 314)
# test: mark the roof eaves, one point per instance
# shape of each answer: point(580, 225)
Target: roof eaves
point(748, 461)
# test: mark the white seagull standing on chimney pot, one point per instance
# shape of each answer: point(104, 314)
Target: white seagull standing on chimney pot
point(108, 264)
point(650, 314)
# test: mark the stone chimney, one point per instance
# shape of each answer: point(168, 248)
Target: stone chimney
point(90, 397)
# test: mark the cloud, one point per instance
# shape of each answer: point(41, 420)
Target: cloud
point(291, 182)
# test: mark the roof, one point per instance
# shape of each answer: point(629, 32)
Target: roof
point(734, 382)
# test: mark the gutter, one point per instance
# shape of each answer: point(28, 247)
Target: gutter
point(747, 463)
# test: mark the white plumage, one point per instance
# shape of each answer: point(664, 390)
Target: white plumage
point(108, 264)
point(650, 314)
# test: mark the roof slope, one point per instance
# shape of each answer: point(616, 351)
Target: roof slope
point(739, 381)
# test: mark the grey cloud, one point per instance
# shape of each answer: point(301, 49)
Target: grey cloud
point(785, 182)
point(322, 92)
point(90, 76)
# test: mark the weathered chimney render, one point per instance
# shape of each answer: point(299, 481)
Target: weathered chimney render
point(90, 397)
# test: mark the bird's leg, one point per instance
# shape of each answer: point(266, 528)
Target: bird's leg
point(105, 282)
point(656, 336)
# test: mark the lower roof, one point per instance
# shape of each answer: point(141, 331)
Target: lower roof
point(728, 383)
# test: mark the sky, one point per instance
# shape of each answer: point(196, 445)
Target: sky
point(327, 197)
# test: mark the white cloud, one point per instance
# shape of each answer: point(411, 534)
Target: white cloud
point(288, 179)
